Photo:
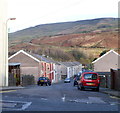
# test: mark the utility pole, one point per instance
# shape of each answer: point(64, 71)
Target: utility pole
point(4, 43)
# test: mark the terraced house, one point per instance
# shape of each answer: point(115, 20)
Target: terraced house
point(69, 69)
point(33, 64)
point(37, 65)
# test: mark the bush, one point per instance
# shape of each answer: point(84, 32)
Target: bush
point(78, 55)
point(103, 52)
point(27, 80)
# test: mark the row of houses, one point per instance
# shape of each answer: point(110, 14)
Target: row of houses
point(37, 65)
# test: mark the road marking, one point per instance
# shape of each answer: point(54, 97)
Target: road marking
point(43, 99)
point(7, 91)
point(26, 105)
point(96, 100)
point(90, 100)
point(15, 105)
point(114, 103)
point(63, 98)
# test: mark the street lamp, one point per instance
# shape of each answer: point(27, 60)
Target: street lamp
point(12, 18)
point(8, 20)
point(6, 52)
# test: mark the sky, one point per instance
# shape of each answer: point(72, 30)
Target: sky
point(29, 13)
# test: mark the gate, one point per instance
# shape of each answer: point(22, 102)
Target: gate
point(105, 79)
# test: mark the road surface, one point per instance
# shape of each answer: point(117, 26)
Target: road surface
point(58, 97)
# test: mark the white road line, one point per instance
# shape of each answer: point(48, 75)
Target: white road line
point(24, 106)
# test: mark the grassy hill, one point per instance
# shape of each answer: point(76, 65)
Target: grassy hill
point(68, 41)
point(83, 26)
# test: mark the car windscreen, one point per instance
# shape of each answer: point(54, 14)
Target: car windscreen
point(90, 76)
point(67, 79)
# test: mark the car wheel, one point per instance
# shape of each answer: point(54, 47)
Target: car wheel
point(97, 89)
point(81, 87)
point(78, 87)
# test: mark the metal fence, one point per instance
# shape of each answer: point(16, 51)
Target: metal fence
point(105, 79)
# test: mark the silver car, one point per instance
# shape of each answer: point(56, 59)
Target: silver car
point(67, 80)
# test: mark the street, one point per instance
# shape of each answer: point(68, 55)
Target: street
point(58, 97)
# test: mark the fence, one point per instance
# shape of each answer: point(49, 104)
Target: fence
point(27, 80)
point(11, 80)
point(115, 79)
point(24, 80)
point(105, 79)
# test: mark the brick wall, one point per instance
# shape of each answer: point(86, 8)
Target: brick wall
point(28, 65)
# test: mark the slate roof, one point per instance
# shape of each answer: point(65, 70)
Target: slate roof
point(70, 64)
point(42, 58)
point(39, 58)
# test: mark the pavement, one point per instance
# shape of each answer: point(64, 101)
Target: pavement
point(110, 92)
point(5, 88)
point(103, 90)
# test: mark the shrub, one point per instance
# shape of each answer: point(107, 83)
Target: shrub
point(27, 80)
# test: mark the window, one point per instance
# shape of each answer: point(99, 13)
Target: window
point(90, 76)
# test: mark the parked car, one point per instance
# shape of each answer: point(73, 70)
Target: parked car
point(89, 80)
point(67, 80)
point(44, 81)
point(76, 79)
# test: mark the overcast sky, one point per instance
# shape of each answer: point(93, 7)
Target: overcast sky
point(29, 13)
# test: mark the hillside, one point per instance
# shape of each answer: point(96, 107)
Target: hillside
point(69, 41)
point(83, 26)
point(89, 40)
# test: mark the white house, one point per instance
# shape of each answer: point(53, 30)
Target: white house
point(108, 61)
point(69, 69)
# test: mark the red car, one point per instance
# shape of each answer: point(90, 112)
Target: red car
point(89, 80)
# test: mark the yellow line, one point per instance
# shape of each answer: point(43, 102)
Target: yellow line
point(7, 91)
point(114, 97)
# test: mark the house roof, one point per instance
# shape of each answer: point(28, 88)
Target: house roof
point(35, 57)
point(21, 51)
point(42, 58)
point(105, 55)
point(70, 64)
